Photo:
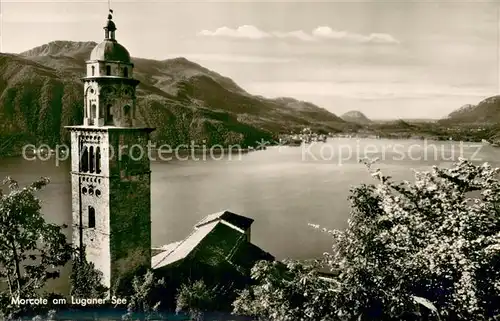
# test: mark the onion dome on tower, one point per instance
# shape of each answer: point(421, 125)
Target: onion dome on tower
point(110, 86)
point(109, 49)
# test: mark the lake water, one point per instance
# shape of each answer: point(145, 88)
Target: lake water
point(283, 189)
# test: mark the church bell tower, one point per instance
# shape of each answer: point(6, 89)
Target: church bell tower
point(110, 169)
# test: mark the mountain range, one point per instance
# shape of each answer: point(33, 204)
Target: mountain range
point(357, 117)
point(486, 111)
point(41, 92)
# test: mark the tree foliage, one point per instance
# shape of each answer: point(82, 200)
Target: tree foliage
point(427, 249)
point(31, 250)
point(144, 299)
point(287, 291)
point(195, 298)
point(85, 279)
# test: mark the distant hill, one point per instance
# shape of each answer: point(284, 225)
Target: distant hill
point(486, 111)
point(407, 120)
point(357, 117)
point(41, 92)
point(62, 48)
point(396, 124)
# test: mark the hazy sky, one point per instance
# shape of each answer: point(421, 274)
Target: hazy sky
point(388, 59)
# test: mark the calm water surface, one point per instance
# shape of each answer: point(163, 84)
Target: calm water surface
point(283, 189)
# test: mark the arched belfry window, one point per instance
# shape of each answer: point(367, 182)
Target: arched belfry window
point(93, 111)
point(108, 70)
point(126, 110)
point(93, 70)
point(125, 72)
point(91, 216)
point(84, 160)
point(98, 160)
point(109, 114)
point(91, 159)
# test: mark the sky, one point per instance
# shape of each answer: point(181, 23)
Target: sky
point(387, 59)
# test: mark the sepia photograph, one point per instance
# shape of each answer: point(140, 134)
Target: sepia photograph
point(281, 160)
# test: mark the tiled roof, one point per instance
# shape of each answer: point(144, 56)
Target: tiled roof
point(167, 247)
point(177, 251)
point(247, 253)
point(170, 246)
point(239, 221)
point(181, 249)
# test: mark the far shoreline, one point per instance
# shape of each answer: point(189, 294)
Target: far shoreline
point(219, 149)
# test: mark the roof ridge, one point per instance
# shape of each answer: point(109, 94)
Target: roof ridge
point(216, 215)
point(179, 243)
point(174, 248)
point(240, 239)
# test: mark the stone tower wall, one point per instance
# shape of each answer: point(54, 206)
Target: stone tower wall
point(118, 96)
point(109, 102)
point(120, 242)
point(111, 198)
point(130, 202)
point(91, 189)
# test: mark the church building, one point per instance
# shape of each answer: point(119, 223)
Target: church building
point(111, 188)
point(111, 194)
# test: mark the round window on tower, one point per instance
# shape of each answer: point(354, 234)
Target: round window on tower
point(91, 191)
point(97, 193)
point(84, 190)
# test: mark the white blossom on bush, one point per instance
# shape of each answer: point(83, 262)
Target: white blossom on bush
point(437, 240)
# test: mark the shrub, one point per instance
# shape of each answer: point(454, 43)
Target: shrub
point(287, 291)
point(195, 298)
point(144, 301)
point(85, 278)
point(434, 243)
